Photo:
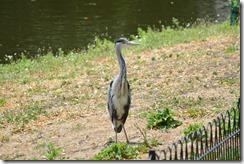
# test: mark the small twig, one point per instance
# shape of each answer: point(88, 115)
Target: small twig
point(144, 134)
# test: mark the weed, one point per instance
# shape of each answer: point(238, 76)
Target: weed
point(162, 119)
point(194, 112)
point(52, 152)
point(232, 49)
point(215, 73)
point(191, 128)
point(154, 142)
point(153, 58)
point(176, 23)
point(2, 101)
point(116, 151)
point(79, 126)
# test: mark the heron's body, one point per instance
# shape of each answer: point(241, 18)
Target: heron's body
point(118, 95)
point(119, 105)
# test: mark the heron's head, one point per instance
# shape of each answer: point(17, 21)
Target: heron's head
point(123, 42)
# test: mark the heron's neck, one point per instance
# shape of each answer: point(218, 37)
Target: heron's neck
point(122, 65)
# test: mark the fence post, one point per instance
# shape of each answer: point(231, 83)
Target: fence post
point(152, 155)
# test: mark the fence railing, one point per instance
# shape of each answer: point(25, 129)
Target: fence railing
point(218, 140)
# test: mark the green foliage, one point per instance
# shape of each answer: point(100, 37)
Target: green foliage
point(176, 23)
point(52, 152)
point(2, 101)
point(154, 142)
point(100, 47)
point(162, 119)
point(191, 129)
point(116, 151)
point(232, 49)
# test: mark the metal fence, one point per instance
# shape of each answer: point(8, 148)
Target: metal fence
point(218, 140)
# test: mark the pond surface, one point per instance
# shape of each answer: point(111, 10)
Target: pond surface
point(36, 26)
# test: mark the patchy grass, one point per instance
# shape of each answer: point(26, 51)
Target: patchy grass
point(23, 117)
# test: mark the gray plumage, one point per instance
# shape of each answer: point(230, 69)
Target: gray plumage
point(118, 95)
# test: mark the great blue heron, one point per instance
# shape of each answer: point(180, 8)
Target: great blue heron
point(118, 95)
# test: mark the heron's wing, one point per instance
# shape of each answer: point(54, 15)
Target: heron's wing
point(110, 104)
point(127, 106)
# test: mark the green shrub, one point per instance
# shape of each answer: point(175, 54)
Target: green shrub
point(116, 151)
point(162, 119)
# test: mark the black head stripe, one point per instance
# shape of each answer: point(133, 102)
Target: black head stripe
point(121, 40)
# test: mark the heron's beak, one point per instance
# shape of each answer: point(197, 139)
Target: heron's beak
point(133, 43)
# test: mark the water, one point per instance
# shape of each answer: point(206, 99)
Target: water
point(36, 26)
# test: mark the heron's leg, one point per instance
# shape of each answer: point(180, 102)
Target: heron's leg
point(116, 130)
point(127, 140)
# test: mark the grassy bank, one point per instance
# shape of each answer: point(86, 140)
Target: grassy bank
point(149, 39)
point(59, 102)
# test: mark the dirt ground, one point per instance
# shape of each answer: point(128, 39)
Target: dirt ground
point(77, 118)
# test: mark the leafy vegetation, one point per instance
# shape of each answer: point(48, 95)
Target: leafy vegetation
point(117, 151)
point(52, 152)
point(191, 129)
point(162, 119)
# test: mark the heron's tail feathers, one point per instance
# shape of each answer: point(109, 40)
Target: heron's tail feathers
point(118, 129)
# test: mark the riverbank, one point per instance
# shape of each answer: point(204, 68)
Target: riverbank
point(62, 100)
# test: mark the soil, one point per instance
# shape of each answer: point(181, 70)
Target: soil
point(77, 119)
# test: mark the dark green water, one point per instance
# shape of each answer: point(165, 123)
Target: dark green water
point(36, 26)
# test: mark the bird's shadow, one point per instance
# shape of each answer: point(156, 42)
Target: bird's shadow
point(111, 141)
point(135, 143)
